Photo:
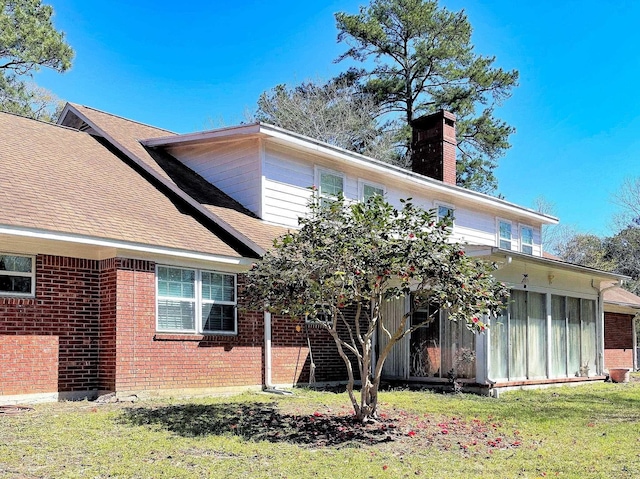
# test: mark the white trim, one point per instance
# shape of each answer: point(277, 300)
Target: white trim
point(109, 243)
point(21, 274)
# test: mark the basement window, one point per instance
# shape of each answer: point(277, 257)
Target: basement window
point(195, 301)
point(17, 275)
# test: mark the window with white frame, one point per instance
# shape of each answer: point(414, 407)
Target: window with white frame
point(369, 190)
point(17, 275)
point(526, 239)
point(504, 234)
point(195, 301)
point(444, 211)
point(330, 184)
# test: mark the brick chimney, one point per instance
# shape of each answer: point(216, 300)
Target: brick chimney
point(433, 146)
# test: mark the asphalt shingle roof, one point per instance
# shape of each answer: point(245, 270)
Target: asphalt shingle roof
point(58, 179)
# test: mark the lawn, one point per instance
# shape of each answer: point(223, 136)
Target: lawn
point(581, 432)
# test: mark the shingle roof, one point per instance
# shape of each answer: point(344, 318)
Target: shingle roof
point(622, 297)
point(126, 135)
point(57, 179)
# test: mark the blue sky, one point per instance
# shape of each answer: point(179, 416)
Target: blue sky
point(202, 64)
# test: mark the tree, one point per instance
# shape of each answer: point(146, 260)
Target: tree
point(623, 251)
point(337, 112)
point(628, 198)
point(423, 61)
point(586, 250)
point(347, 260)
point(29, 41)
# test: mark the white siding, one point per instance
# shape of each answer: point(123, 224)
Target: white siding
point(233, 167)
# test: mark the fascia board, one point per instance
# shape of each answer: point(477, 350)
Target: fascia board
point(122, 245)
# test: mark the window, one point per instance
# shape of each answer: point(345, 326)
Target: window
point(195, 301)
point(504, 234)
point(330, 184)
point(369, 190)
point(526, 239)
point(519, 337)
point(17, 275)
point(444, 211)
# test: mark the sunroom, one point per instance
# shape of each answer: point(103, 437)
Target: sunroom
point(551, 331)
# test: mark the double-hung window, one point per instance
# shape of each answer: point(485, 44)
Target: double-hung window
point(17, 275)
point(196, 301)
point(504, 234)
point(330, 185)
point(526, 239)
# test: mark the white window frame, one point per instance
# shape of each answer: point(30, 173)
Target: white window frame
point(499, 237)
point(21, 274)
point(318, 177)
point(199, 301)
point(439, 205)
point(522, 243)
point(361, 185)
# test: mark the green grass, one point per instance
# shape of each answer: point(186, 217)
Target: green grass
point(578, 432)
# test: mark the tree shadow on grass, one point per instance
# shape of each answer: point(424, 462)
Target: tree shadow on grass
point(261, 422)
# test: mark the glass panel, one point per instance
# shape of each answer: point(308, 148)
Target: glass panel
point(518, 335)
point(218, 317)
point(526, 239)
point(15, 284)
point(505, 235)
point(218, 287)
point(558, 337)
point(537, 335)
point(176, 315)
point(368, 191)
point(589, 353)
point(331, 185)
point(458, 350)
point(498, 356)
point(444, 211)
point(425, 346)
point(527, 249)
point(573, 332)
point(20, 264)
point(176, 283)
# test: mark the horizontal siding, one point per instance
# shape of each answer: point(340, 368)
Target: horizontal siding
point(233, 167)
point(289, 174)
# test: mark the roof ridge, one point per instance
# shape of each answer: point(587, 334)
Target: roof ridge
point(75, 105)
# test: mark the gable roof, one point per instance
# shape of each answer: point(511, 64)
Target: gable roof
point(126, 136)
point(56, 179)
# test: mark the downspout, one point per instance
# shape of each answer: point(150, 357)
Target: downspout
point(601, 315)
point(267, 350)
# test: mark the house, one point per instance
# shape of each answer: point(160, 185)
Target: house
point(123, 248)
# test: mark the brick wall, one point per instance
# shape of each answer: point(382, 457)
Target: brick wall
point(66, 306)
point(28, 364)
point(618, 340)
point(150, 361)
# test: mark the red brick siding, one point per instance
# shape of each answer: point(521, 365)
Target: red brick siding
point(66, 305)
point(618, 340)
point(107, 337)
point(147, 360)
point(28, 365)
